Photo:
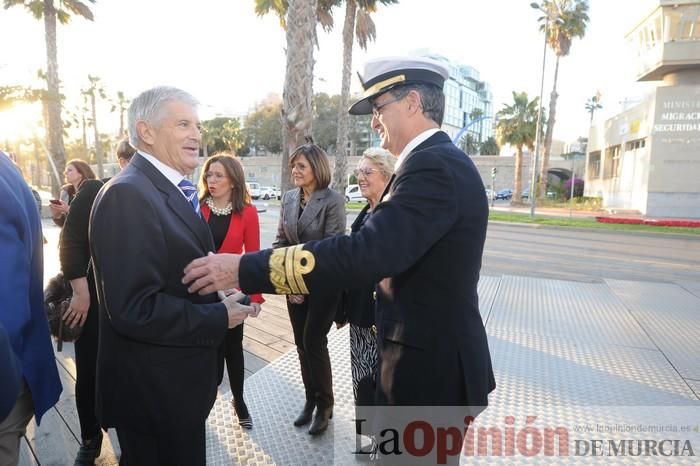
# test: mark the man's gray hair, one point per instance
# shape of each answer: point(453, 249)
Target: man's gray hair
point(382, 158)
point(432, 99)
point(148, 106)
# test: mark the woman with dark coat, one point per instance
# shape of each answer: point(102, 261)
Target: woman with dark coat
point(311, 211)
point(373, 174)
point(74, 252)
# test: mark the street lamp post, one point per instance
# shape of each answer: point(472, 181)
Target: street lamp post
point(533, 180)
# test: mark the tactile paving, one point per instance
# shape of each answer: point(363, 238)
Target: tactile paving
point(546, 370)
point(555, 369)
point(693, 287)
point(587, 312)
point(487, 289)
point(670, 315)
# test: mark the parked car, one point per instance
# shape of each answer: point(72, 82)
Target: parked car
point(269, 192)
point(253, 189)
point(526, 194)
point(504, 194)
point(353, 194)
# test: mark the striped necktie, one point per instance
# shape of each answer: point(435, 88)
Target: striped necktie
point(191, 194)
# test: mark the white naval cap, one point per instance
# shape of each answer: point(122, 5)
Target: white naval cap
point(386, 73)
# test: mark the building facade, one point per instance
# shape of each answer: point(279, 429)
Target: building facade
point(647, 158)
point(465, 92)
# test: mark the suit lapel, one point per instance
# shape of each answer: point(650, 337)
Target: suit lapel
point(176, 202)
point(313, 206)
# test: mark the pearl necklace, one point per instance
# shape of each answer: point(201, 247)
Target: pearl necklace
point(218, 210)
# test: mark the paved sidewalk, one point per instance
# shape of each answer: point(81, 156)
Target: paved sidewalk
point(608, 361)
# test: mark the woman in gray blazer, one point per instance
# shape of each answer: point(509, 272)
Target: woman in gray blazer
point(312, 211)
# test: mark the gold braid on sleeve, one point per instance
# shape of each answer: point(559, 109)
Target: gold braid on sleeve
point(288, 267)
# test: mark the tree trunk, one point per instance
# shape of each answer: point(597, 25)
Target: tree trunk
point(340, 181)
point(544, 163)
point(98, 146)
point(518, 176)
point(85, 149)
point(298, 80)
point(55, 126)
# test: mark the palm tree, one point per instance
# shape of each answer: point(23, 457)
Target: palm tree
point(570, 18)
point(92, 92)
point(593, 104)
point(358, 21)
point(121, 104)
point(474, 115)
point(516, 126)
point(50, 11)
point(299, 18)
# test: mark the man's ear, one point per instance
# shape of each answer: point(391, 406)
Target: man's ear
point(145, 132)
point(414, 102)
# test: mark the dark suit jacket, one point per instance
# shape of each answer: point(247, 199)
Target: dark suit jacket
point(358, 304)
point(424, 245)
point(157, 361)
point(21, 291)
point(323, 217)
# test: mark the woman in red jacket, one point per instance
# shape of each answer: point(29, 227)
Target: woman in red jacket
point(233, 221)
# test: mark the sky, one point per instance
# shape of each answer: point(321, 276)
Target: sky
point(230, 59)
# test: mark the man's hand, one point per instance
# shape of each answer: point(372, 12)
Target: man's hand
point(295, 298)
point(214, 272)
point(257, 307)
point(237, 312)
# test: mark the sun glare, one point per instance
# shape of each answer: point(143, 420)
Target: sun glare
point(20, 122)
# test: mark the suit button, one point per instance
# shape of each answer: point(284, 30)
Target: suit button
point(374, 295)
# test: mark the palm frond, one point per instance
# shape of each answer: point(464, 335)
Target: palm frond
point(77, 8)
point(365, 29)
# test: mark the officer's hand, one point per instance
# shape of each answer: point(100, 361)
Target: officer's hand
point(214, 272)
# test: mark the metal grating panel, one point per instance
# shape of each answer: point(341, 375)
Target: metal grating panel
point(544, 370)
point(274, 396)
point(693, 287)
point(586, 312)
point(487, 289)
point(670, 315)
point(556, 369)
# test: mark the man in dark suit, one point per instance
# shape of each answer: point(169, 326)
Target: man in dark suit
point(423, 246)
point(157, 361)
point(30, 361)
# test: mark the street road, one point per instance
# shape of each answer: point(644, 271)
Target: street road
point(566, 253)
point(548, 252)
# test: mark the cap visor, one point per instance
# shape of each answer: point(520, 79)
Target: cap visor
point(361, 107)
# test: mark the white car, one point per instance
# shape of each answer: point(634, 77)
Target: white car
point(253, 189)
point(269, 192)
point(353, 194)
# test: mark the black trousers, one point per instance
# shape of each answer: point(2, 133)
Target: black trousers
point(181, 447)
point(311, 322)
point(233, 354)
point(86, 368)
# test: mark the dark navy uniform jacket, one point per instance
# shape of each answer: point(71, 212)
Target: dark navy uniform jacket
point(423, 246)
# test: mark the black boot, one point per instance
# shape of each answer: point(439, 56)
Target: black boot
point(89, 451)
point(306, 413)
point(320, 422)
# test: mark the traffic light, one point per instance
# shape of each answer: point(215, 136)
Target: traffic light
point(494, 170)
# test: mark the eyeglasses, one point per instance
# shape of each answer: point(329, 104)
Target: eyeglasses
point(366, 171)
point(376, 109)
point(216, 176)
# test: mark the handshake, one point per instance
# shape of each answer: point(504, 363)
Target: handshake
point(238, 306)
point(217, 272)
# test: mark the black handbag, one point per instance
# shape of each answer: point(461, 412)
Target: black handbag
point(57, 296)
